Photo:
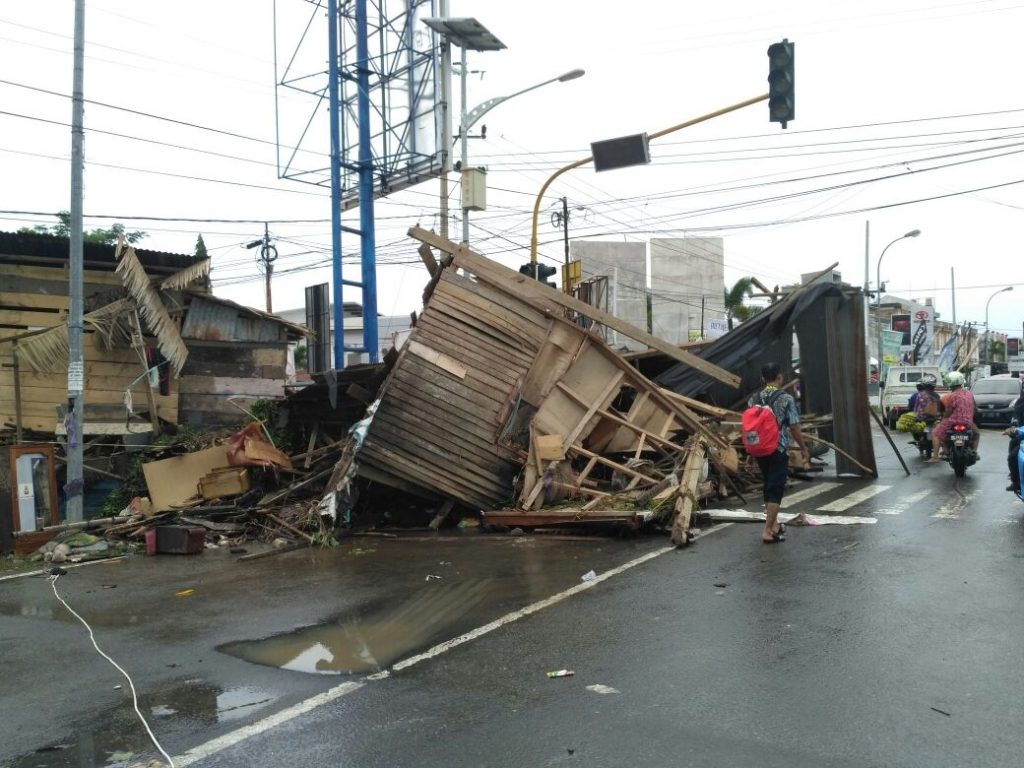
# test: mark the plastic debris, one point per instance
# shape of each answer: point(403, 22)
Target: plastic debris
point(589, 575)
point(184, 592)
point(561, 673)
point(602, 689)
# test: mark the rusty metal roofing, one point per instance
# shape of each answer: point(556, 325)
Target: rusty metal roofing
point(211, 318)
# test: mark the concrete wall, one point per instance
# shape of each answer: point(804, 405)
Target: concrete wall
point(625, 266)
point(683, 271)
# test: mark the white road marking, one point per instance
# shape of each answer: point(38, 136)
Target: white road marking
point(221, 743)
point(905, 503)
point(807, 493)
point(852, 499)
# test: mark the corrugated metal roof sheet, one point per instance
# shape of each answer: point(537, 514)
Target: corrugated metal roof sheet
point(211, 319)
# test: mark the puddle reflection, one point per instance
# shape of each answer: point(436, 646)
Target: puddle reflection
point(120, 739)
point(375, 639)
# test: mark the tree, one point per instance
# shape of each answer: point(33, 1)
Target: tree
point(735, 309)
point(996, 352)
point(99, 235)
point(201, 248)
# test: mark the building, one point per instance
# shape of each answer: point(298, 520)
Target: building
point(686, 278)
point(223, 355)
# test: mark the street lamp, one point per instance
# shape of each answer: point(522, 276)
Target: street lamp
point(878, 304)
point(878, 270)
point(470, 118)
point(987, 331)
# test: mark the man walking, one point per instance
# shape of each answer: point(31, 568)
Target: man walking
point(775, 466)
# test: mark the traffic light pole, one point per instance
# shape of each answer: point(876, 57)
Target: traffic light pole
point(656, 135)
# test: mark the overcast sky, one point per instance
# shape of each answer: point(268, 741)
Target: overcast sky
point(909, 115)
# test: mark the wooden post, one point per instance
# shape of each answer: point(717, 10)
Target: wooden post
point(17, 394)
point(686, 500)
point(139, 347)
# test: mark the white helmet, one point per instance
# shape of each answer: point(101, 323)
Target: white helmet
point(954, 379)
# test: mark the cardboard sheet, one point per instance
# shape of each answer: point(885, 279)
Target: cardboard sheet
point(173, 481)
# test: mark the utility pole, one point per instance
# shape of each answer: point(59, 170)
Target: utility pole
point(446, 120)
point(75, 487)
point(266, 259)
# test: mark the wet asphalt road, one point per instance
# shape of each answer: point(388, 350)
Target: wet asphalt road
point(893, 644)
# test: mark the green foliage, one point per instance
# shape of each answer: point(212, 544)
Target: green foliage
point(99, 235)
point(302, 357)
point(201, 248)
point(996, 352)
point(266, 411)
point(734, 297)
point(133, 484)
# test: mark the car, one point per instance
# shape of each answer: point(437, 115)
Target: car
point(995, 397)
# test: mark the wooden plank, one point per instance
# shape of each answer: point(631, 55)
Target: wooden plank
point(555, 517)
point(35, 300)
point(697, 405)
point(482, 324)
point(496, 367)
point(486, 348)
point(514, 318)
point(230, 385)
point(532, 292)
point(441, 360)
point(609, 463)
point(553, 360)
point(410, 466)
point(485, 431)
point(448, 451)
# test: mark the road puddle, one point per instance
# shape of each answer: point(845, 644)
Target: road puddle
point(374, 638)
point(118, 739)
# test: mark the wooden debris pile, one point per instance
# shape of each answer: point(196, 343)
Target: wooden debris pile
point(505, 400)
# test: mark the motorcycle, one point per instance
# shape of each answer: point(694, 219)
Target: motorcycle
point(1020, 459)
point(959, 452)
point(923, 438)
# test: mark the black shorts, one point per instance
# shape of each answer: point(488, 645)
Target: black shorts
point(774, 471)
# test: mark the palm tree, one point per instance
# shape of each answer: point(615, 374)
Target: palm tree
point(735, 309)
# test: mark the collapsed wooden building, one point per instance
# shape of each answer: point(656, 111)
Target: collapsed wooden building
point(501, 400)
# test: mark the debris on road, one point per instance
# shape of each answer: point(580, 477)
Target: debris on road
point(504, 407)
point(561, 673)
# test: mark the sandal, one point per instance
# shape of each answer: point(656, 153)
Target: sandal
point(775, 539)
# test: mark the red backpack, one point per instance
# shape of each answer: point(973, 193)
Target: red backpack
point(761, 428)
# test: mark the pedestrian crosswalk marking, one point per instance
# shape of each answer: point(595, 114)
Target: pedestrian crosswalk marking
point(852, 499)
point(903, 504)
point(807, 493)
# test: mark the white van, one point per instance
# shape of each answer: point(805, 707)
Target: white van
point(900, 383)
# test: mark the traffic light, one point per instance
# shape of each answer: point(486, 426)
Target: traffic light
point(539, 272)
point(781, 82)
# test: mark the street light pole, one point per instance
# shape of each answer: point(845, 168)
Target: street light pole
point(470, 118)
point(878, 304)
point(988, 333)
point(878, 270)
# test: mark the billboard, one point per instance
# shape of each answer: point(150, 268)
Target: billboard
point(1013, 345)
point(901, 324)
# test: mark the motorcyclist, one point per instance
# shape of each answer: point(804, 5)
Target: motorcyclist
point(960, 409)
point(925, 396)
point(1015, 440)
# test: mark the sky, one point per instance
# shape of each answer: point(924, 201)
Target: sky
point(907, 117)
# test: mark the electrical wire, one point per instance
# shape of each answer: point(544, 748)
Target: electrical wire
point(131, 684)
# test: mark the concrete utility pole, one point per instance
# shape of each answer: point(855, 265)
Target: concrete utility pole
point(268, 255)
point(75, 486)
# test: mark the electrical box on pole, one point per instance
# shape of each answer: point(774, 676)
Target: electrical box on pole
point(781, 82)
